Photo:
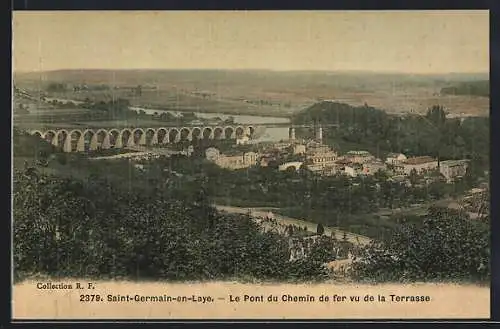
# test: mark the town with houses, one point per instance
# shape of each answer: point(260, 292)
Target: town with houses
point(321, 159)
point(314, 156)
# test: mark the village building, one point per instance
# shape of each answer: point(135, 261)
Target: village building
point(266, 160)
point(280, 146)
point(341, 163)
point(298, 148)
point(349, 170)
point(236, 161)
point(319, 157)
point(420, 164)
point(347, 167)
point(329, 171)
point(371, 167)
point(353, 169)
point(452, 169)
point(250, 158)
point(359, 156)
point(395, 158)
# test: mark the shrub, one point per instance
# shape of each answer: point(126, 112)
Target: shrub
point(64, 227)
point(446, 246)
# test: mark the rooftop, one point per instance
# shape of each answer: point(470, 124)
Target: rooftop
point(452, 162)
point(362, 153)
point(343, 162)
point(419, 160)
point(231, 153)
point(375, 163)
point(394, 155)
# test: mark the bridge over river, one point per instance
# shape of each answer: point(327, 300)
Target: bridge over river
point(84, 139)
point(87, 138)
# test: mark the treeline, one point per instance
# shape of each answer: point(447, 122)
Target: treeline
point(119, 108)
point(470, 88)
point(414, 135)
point(344, 202)
point(66, 227)
point(114, 108)
point(59, 87)
point(26, 145)
point(262, 102)
point(71, 228)
point(56, 87)
point(446, 246)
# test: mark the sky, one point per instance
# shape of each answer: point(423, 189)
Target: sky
point(392, 41)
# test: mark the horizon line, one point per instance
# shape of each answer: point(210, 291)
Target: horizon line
point(254, 69)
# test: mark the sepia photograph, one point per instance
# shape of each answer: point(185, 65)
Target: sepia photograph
point(250, 165)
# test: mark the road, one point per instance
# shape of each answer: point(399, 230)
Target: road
point(262, 212)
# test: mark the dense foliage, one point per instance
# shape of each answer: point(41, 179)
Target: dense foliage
point(66, 227)
point(447, 245)
point(348, 203)
point(115, 108)
point(26, 145)
point(470, 88)
point(414, 135)
point(56, 87)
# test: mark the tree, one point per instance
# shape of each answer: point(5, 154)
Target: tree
point(437, 115)
point(447, 245)
point(413, 177)
point(320, 230)
point(62, 158)
point(56, 87)
point(97, 228)
point(322, 250)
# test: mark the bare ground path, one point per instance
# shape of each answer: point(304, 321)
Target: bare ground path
point(262, 212)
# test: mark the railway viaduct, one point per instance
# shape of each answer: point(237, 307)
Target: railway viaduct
point(81, 140)
point(85, 139)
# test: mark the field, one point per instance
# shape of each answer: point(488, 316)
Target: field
point(266, 93)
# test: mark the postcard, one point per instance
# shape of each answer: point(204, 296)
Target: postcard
point(263, 165)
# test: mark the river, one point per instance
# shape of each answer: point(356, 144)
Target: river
point(273, 134)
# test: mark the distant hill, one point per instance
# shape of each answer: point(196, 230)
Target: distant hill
point(160, 76)
point(266, 92)
point(469, 88)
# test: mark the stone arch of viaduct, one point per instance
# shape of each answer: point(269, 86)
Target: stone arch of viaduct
point(81, 140)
